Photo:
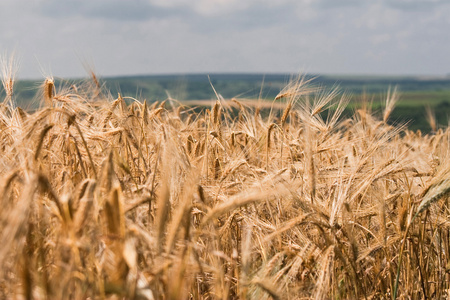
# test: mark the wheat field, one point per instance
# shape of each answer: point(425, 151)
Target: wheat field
point(103, 198)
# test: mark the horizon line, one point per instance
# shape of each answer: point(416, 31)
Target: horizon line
point(262, 74)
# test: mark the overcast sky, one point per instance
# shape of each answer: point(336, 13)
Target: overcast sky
point(125, 37)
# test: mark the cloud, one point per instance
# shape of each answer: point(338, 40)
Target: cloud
point(210, 8)
point(172, 36)
point(134, 10)
point(416, 5)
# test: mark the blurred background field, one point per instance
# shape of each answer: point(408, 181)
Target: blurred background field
point(415, 93)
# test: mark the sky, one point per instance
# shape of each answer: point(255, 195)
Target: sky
point(63, 38)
